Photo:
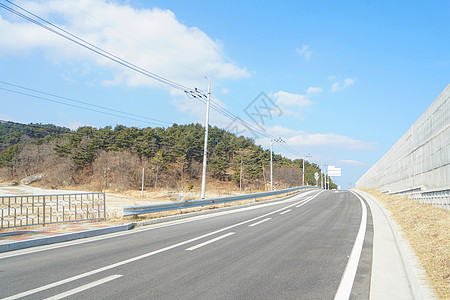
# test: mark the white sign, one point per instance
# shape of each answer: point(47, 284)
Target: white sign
point(316, 176)
point(333, 171)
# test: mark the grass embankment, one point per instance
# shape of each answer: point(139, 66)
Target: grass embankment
point(427, 228)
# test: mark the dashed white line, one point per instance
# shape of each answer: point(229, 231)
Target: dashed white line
point(259, 222)
point(210, 241)
point(175, 223)
point(83, 287)
point(305, 201)
point(139, 257)
point(286, 211)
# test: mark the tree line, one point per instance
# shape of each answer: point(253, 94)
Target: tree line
point(109, 157)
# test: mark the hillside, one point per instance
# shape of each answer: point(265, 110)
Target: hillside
point(113, 158)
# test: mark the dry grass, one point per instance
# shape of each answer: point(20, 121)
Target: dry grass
point(427, 228)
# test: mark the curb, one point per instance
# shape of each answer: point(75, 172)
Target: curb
point(411, 263)
point(63, 238)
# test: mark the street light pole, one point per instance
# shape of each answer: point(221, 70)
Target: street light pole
point(303, 170)
point(271, 160)
point(205, 148)
point(271, 164)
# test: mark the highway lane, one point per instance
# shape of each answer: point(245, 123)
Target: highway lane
point(295, 249)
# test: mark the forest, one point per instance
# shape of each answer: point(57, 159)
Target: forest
point(113, 158)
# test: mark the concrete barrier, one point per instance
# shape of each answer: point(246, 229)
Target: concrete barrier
point(420, 161)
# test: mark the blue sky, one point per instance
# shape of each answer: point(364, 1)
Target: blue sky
point(349, 77)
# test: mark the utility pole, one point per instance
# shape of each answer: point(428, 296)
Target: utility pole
point(272, 140)
point(328, 181)
point(205, 148)
point(271, 164)
point(303, 170)
point(320, 177)
point(142, 190)
point(240, 177)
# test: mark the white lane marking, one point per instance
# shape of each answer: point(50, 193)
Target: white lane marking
point(286, 211)
point(156, 226)
point(305, 201)
point(210, 241)
point(133, 259)
point(83, 288)
point(259, 222)
point(346, 284)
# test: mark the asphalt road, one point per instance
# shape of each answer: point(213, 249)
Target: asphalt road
point(293, 249)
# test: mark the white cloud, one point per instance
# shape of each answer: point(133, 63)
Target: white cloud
point(299, 139)
point(197, 110)
point(224, 91)
point(290, 103)
point(330, 140)
point(304, 52)
point(350, 162)
point(289, 99)
point(6, 118)
point(337, 86)
point(75, 125)
point(178, 52)
point(348, 82)
point(314, 90)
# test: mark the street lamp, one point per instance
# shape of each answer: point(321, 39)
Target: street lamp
point(205, 148)
point(303, 170)
point(272, 140)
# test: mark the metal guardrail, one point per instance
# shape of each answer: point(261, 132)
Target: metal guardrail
point(19, 211)
point(143, 209)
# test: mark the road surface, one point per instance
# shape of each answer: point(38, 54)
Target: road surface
point(300, 248)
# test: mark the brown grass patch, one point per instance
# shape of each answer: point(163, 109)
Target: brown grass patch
point(427, 228)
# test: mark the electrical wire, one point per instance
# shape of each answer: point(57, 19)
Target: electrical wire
point(127, 36)
point(81, 42)
point(152, 121)
point(190, 92)
point(73, 105)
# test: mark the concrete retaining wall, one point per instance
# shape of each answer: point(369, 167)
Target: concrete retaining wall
point(420, 160)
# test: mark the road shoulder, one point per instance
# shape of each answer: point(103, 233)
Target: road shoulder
point(396, 271)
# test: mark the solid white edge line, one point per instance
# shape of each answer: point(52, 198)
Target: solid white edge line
point(210, 241)
point(345, 286)
point(259, 222)
point(83, 288)
point(286, 211)
point(123, 262)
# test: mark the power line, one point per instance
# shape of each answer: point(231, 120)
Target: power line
point(152, 121)
point(190, 92)
point(131, 38)
point(228, 114)
point(71, 105)
point(77, 40)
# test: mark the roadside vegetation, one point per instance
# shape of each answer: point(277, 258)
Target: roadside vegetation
point(112, 159)
point(427, 228)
